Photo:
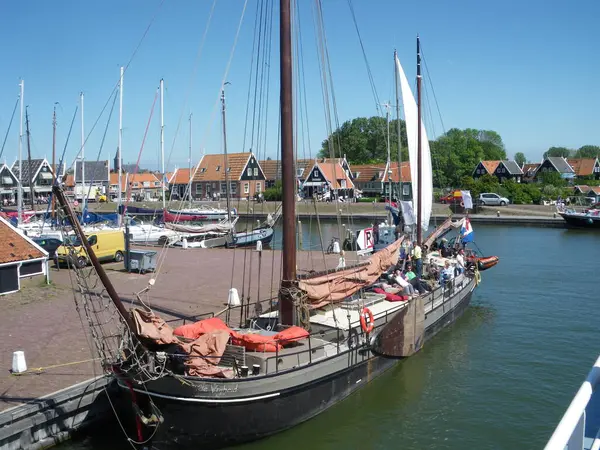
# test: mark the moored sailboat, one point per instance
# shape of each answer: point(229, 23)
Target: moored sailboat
point(221, 381)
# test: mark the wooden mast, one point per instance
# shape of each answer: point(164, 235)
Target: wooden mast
point(225, 159)
point(419, 177)
point(286, 307)
point(399, 132)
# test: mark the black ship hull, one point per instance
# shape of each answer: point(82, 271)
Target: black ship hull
point(580, 221)
point(220, 422)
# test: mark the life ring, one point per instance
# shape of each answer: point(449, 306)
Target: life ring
point(462, 204)
point(367, 327)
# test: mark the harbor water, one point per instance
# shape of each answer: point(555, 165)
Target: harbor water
point(500, 378)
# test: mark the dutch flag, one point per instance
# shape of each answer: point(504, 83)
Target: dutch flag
point(467, 231)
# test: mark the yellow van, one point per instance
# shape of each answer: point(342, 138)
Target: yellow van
point(108, 245)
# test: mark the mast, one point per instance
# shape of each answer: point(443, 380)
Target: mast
point(162, 142)
point(286, 306)
point(398, 128)
point(54, 159)
point(119, 169)
point(419, 177)
point(20, 191)
point(190, 161)
point(29, 160)
point(389, 156)
point(83, 191)
point(225, 154)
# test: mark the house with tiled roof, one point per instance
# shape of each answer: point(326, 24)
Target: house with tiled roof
point(594, 194)
point(41, 175)
point(502, 169)
point(372, 179)
point(328, 177)
point(529, 171)
point(272, 170)
point(20, 258)
point(179, 180)
point(244, 172)
point(141, 186)
point(8, 185)
point(556, 164)
point(585, 167)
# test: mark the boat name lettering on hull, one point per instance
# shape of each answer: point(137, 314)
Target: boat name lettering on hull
point(215, 388)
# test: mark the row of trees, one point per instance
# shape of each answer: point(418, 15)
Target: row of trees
point(454, 155)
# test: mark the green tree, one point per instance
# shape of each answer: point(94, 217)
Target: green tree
point(552, 179)
point(588, 151)
point(364, 140)
point(558, 151)
point(457, 153)
point(520, 158)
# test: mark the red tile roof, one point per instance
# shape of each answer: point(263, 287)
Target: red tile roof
point(180, 176)
point(405, 172)
point(212, 167)
point(490, 166)
point(582, 167)
point(16, 247)
point(334, 174)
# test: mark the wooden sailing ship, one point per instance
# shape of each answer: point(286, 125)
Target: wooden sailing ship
point(235, 376)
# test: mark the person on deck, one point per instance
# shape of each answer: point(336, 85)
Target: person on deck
point(407, 288)
point(416, 282)
point(376, 233)
point(417, 259)
point(447, 274)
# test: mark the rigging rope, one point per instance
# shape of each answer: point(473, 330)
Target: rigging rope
point(10, 125)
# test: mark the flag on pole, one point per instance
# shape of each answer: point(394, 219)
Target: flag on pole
point(467, 231)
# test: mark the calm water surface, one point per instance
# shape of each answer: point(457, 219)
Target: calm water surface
point(500, 378)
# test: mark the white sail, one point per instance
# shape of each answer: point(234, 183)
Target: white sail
point(410, 115)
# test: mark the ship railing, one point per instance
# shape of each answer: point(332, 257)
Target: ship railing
point(570, 433)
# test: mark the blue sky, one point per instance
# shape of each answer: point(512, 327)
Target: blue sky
point(526, 69)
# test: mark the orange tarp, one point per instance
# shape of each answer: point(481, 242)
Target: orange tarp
point(337, 286)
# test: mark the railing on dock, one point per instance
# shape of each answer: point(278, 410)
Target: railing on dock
point(570, 432)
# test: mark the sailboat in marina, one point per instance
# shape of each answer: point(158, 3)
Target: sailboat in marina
point(236, 377)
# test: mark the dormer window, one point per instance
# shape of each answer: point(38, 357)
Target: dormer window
point(203, 170)
point(218, 169)
point(228, 169)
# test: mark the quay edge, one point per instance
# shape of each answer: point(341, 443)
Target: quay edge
point(49, 420)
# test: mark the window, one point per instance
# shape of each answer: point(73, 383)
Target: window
point(146, 184)
point(246, 188)
point(316, 173)
point(228, 169)
point(233, 188)
point(7, 180)
point(156, 183)
point(199, 189)
point(343, 184)
point(203, 170)
point(258, 188)
point(299, 172)
point(249, 171)
point(256, 171)
point(214, 186)
point(223, 188)
point(135, 184)
point(218, 168)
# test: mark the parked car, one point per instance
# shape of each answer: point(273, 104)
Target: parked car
point(453, 197)
point(108, 245)
point(491, 199)
point(49, 244)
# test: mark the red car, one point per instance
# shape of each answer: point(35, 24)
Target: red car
point(453, 197)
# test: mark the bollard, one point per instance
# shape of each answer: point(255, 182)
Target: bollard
point(259, 246)
point(299, 234)
point(185, 243)
point(19, 365)
point(234, 298)
point(497, 213)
